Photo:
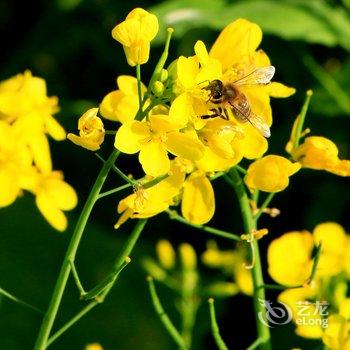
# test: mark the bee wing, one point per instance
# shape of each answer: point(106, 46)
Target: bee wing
point(259, 124)
point(252, 118)
point(259, 76)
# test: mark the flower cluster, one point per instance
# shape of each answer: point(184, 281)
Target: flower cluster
point(176, 127)
point(290, 264)
point(26, 118)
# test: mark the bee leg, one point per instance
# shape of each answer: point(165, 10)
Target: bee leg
point(225, 115)
point(214, 115)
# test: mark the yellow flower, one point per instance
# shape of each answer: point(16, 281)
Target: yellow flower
point(320, 153)
point(122, 104)
point(337, 335)
point(135, 34)
point(289, 258)
point(198, 201)
point(145, 203)
point(308, 321)
point(154, 139)
point(236, 49)
point(53, 196)
point(233, 263)
point(24, 103)
point(334, 241)
point(270, 173)
point(15, 164)
point(91, 131)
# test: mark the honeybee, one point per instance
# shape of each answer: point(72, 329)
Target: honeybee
point(229, 96)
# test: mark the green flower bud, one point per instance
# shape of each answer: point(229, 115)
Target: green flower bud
point(158, 88)
point(164, 75)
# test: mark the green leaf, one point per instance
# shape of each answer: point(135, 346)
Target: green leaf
point(311, 21)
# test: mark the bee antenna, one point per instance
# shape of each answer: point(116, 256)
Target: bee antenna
point(204, 81)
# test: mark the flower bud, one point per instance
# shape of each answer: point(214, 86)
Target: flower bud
point(166, 254)
point(135, 34)
point(91, 131)
point(154, 270)
point(188, 256)
point(158, 88)
point(164, 75)
point(222, 289)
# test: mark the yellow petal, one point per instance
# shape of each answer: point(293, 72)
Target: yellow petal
point(187, 70)
point(185, 146)
point(109, 105)
point(161, 124)
point(289, 258)
point(275, 89)
point(154, 159)
point(198, 202)
point(181, 110)
point(62, 195)
point(89, 144)
point(254, 145)
point(270, 174)
point(238, 39)
point(51, 213)
point(54, 129)
point(130, 135)
point(9, 189)
point(127, 84)
point(41, 152)
point(201, 52)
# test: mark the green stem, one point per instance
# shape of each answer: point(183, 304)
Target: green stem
point(267, 201)
point(215, 328)
point(56, 298)
point(139, 91)
point(250, 225)
point(160, 65)
point(300, 125)
point(164, 318)
point(119, 172)
point(119, 262)
point(19, 301)
point(72, 321)
point(175, 216)
point(241, 169)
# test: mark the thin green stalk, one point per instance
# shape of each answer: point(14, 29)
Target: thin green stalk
point(164, 318)
point(215, 328)
point(300, 125)
point(189, 303)
point(175, 216)
point(72, 321)
point(119, 262)
point(17, 300)
point(119, 172)
point(328, 82)
point(257, 275)
point(241, 169)
point(52, 310)
point(139, 91)
point(113, 190)
point(255, 344)
point(265, 204)
point(160, 65)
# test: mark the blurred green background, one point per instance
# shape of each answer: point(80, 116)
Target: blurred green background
point(68, 42)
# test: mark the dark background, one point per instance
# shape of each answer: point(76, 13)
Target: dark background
point(68, 42)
